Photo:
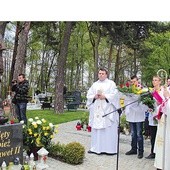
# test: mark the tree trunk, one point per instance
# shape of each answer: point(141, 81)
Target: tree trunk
point(110, 58)
point(61, 62)
point(18, 29)
point(95, 44)
point(21, 50)
point(117, 64)
point(135, 62)
point(2, 47)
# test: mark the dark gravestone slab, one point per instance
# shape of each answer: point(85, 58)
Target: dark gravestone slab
point(73, 100)
point(11, 143)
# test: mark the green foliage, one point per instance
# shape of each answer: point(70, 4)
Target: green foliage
point(74, 153)
point(125, 89)
point(56, 150)
point(50, 116)
point(148, 100)
point(156, 54)
point(83, 98)
point(123, 123)
point(84, 118)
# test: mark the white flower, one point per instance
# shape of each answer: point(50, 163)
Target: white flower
point(37, 118)
point(30, 119)
point(43, 120)
point(51, 125)
point(39, 122)
point(34, 123)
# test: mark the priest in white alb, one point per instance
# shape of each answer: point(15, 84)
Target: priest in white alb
point(102, 98)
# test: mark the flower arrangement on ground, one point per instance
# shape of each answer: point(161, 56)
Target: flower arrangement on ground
point(38, 133)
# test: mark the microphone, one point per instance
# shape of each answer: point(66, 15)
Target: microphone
point(145, 94)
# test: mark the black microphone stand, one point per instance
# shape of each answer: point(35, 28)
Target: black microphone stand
point(119, 110)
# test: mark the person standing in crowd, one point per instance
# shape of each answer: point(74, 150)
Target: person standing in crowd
point(162, 136)
point(135, 115)
point(167, 129)
point(156, 81)
point(101, 99)
point(21, 89)
point(168, 83)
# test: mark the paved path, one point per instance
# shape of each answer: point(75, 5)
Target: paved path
point(67, 133)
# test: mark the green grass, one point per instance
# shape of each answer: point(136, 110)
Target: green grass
point(50, 116)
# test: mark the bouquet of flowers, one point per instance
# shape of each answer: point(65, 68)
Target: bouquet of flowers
point(132, 89)
point(38, 133)
point(145, 96)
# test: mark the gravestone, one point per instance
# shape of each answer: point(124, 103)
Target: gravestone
point(11, 143)
point(73, 100)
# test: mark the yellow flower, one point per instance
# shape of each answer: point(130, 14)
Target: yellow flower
point(38, 132)
point(35, 126)
point(139, 91)
point(38, 141)
point(30, 132)
point(47, 128)
point(46, 134)
point(35, 135)
point(150, 88)
point(43, 120)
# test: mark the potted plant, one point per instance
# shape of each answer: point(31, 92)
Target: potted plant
point(36, 134)
point(84, 120)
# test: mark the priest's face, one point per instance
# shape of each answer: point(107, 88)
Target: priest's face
point(102, 75)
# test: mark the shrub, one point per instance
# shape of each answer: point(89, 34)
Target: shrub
point(56, 150)
point(74, 153)
point(124, 124)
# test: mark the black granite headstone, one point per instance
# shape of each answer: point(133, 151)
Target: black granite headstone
point(11, 143)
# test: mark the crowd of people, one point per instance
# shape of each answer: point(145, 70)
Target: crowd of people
point(103, 97)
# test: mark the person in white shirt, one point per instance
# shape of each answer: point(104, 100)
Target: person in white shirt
point(135, 115)
point(101, 99)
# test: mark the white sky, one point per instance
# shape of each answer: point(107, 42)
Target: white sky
point(85, 10)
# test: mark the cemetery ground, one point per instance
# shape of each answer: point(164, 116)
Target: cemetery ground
point(67, 133)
